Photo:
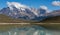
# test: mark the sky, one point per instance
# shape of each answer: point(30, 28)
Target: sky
point(33, 3)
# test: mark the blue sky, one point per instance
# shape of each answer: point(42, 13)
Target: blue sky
point(32, 3)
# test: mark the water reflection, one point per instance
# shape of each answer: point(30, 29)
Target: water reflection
point(33, 30)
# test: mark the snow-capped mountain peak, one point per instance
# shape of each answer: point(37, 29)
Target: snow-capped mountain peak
point(16, 4)
point(20, 7)
point(17, 10)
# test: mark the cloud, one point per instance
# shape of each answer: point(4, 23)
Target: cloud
point(16, 4)
point(56, 3)
point(45, 8)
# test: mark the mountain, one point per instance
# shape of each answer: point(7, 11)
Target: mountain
point(23, 13)
point(49, 19)
point(55, 19)
point(17, 13)
point(53, 13)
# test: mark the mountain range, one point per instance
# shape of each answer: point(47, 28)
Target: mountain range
point(27, 13)
point(23, 13)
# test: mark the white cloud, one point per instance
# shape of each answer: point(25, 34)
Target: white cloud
point(43, 7)
point(16, 4)
point(56, 3)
